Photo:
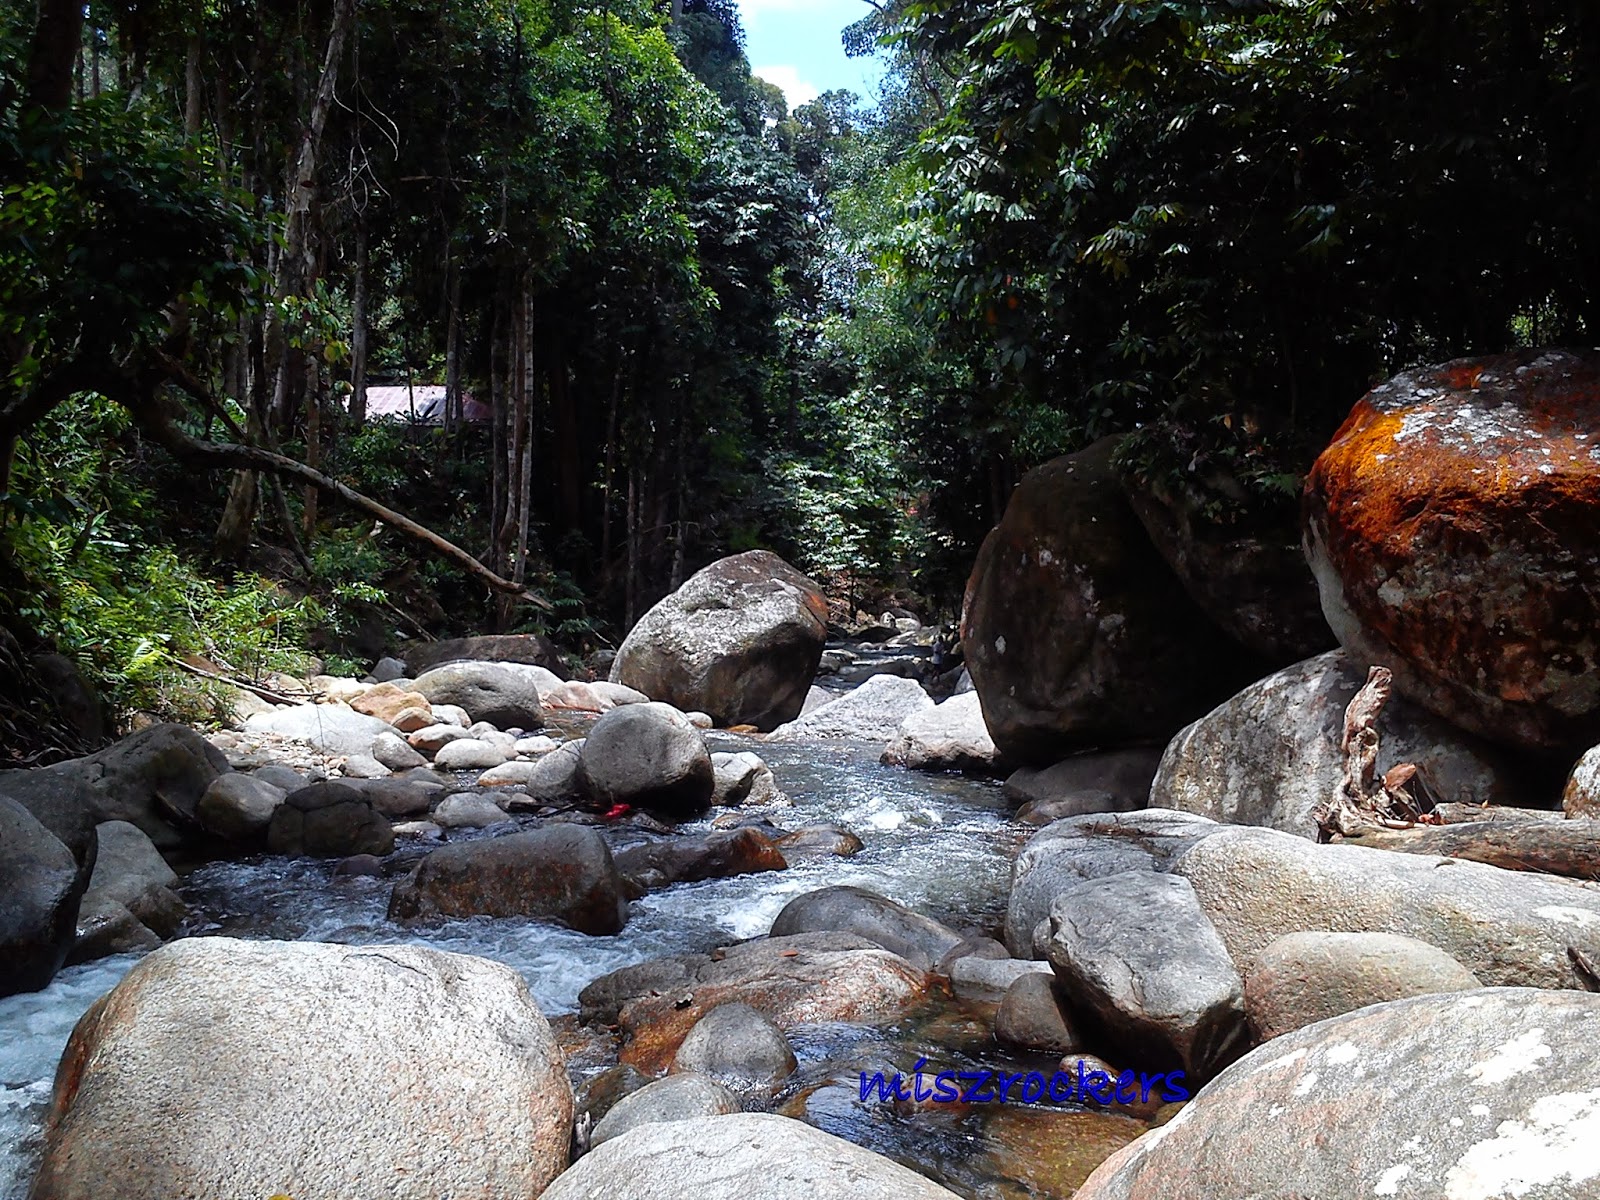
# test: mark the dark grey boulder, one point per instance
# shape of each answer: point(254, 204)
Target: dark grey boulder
point(396, 797)
point(648, 756)
point(153, 779)
point(1103, 781)
point(239, 807)
point(328, 820)
point(41, 887)
point(919, 940)
point(717, 855)
point(130, 871)
point(561, 873)
point(1135, 952)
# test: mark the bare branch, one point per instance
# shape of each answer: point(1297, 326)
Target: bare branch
point(154, 418)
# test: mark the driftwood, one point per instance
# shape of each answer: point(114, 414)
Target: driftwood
point(1361, 801)
point(1570, 848)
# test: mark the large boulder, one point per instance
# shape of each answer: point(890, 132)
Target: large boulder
point(153, 779)
point(739, 641)
point(530, 649)
point(748, 1156)
point(1093, 846)
point(561, 873)
point(791, 980)
point(872, 712)
point(1506, 927)
point(947, 737)
point(1247, 573)
point(41, 887)
point(1271, 754)
point(1303, 978)
point(1110, 781)
point(1464, 1096)
point(1135, 952)
point(1077, 634)
point(919, 940)
point(1454, 524)
point(328, 820)
point(501, 693)
point(647, 756)
point(221, 1068)
point(331, 728)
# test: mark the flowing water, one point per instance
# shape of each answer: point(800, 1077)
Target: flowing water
point(939, 844)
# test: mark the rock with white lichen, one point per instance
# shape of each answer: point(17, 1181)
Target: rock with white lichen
point(1461, 1096)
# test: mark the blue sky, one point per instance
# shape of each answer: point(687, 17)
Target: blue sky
point(795, 44)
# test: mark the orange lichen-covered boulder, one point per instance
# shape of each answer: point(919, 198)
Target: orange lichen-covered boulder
point(1454, 528)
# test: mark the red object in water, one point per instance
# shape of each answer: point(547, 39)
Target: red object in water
point(616, 812)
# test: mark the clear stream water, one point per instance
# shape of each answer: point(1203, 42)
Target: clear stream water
point(940, 844)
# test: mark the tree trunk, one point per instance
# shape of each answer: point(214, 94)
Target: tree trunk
point(358, 327)
point(191, 87)
point(313, 440)
point(56, 39)
point(454, 407)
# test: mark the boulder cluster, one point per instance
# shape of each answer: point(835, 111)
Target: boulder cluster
point(1405, 1008)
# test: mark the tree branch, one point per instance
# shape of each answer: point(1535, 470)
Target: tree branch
point(154, 418)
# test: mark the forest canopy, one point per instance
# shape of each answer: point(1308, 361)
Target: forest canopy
point(673, 319)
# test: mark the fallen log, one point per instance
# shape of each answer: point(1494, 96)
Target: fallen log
point(1570, 848)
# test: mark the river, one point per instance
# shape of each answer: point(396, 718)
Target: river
point(941, 844)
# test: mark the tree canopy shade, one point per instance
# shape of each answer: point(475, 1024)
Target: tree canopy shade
point(701, 322)
point(1249, 210)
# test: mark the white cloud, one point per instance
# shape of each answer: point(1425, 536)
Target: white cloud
point(796, 90)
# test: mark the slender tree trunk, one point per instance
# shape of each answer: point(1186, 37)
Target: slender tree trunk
point(499, 370)
point(631, 584)
point(607, 515)
point(313, 439)
point(525, 463)
point(454, 407)
point(358, 331)
point(192, 87)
